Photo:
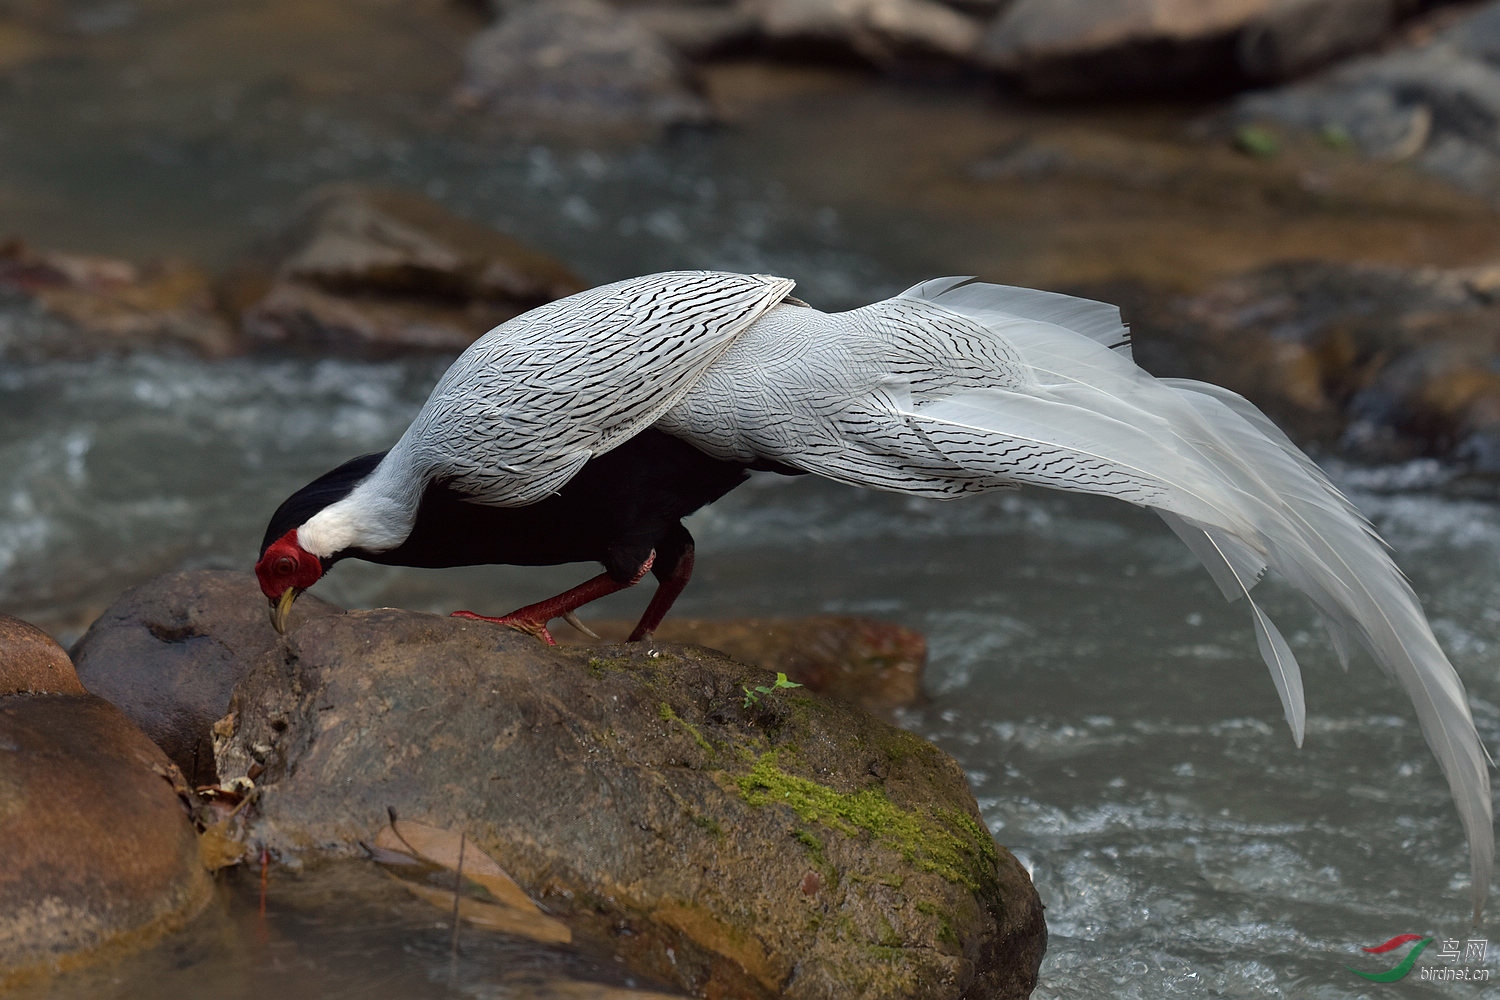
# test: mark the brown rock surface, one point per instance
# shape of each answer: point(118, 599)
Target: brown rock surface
point(872, 664)
point(368, 267)
point(796, 848)
point(885, 33)
point(99, 852)
point(561, 64)
point(1390, 363)
point(31, 661)
point(1078, 47)
point(106, 304)
point(19, 45)
point(1431, 100)
point(169, 652)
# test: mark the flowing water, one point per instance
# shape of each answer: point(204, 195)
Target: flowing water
point(1118, 728)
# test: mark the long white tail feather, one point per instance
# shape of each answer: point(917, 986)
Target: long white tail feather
point(1234, 565)
point(1268, 505)
point(1338, 637)
point(1285, 673)
point(1040, 441)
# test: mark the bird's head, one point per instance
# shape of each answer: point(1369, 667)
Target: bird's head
point(286, 567)
point(285, 570)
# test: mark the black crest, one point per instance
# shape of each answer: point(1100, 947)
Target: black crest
point(329, 488)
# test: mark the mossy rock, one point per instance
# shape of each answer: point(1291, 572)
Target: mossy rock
point(796, 847)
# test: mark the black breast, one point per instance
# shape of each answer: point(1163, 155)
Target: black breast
point(618, 507)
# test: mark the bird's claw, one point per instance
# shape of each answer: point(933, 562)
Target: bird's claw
point(573, 620)
point(528, 625)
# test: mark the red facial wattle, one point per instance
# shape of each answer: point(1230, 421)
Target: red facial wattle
point(287, 564)
point(285, 570)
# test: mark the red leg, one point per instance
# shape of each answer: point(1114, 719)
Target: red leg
point(667, 591)
point(534, 617)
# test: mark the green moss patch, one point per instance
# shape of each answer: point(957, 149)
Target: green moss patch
point(946, 934)
point(668, 715)
point(950, 844)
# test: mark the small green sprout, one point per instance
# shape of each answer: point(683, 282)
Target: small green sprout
point(1336, 136)
point(1257, 141)
point(752, 695)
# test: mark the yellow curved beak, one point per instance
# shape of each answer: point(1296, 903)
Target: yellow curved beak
point(281, 608)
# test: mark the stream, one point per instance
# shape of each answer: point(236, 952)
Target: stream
point(1114, 717)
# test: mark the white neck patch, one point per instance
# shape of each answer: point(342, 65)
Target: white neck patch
point(360, 520)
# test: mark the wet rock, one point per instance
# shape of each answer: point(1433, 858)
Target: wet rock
point(1435, 102)
point(885, 33)
point(368, 267)
point(1291, 37)
point(169, 652)
point(1388, 363)
point(31, 661)
point(699, 31)
point(874, 665)
point(1082, 47)
point(19, 45)
point(56, 305)
point(569, 64)
point(689, 758)
point(100, 855)
point(795, 848)
point(1088, 204)
point(99, 852)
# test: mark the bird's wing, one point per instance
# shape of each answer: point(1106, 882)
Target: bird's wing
point(954, 387)
point(522, 410)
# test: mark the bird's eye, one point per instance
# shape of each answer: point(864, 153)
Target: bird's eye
point(285, 566)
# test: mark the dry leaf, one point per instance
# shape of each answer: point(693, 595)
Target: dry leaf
point(411, 851)
point(218, 847)
point(576, 989)
point(440, 847)
point(534, 925)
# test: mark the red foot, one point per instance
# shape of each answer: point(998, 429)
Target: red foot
point(533, 618)
point(528, 625)
point(666, 593)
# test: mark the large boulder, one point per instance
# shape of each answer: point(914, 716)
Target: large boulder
point(1435, 102)
point(790, 846)
point(169, 653)
point(31, 661)
point(569, 64)
point(373, 268)
point(1386, 362)
point(884, 33)
point(1089, 47)
point(100, 853)
point(72, 306)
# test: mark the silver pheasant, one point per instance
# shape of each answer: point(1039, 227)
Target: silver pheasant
point(634, 403)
